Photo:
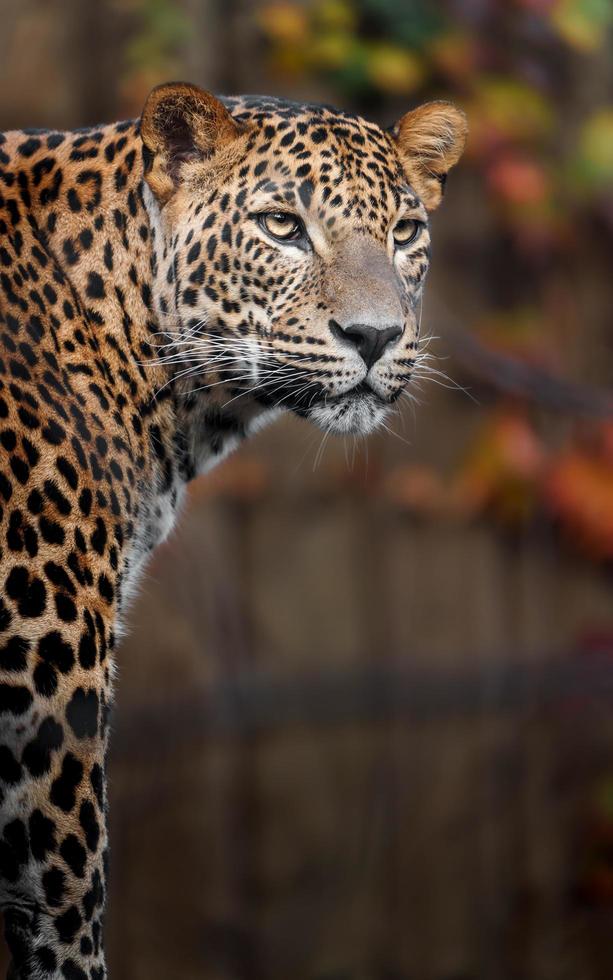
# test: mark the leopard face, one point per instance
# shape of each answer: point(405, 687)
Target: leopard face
point(292, 248)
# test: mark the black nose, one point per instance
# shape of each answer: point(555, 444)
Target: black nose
point(370, 341)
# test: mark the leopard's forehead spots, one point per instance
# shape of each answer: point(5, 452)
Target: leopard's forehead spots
point(315, 157)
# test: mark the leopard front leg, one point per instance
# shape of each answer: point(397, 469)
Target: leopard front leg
point(53, 839)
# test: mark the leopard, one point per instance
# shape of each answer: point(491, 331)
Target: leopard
point(168, 285)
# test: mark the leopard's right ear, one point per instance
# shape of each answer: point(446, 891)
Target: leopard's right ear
point(181, 123)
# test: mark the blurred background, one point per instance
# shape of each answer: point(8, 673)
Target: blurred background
point(364, 727)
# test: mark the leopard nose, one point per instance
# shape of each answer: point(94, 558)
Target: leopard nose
point(369, 341)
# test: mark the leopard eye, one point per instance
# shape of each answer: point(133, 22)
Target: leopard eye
point(406, 231)
point(282, 226)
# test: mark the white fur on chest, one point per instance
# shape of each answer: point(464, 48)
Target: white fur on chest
point(156, 518)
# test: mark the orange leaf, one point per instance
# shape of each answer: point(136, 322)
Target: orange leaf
point(579, 492)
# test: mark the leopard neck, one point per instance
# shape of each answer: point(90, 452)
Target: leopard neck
point(86, 199)
point(94, 213)
point(215, 412)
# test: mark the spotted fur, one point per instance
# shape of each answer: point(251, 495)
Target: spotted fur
point(148, 324)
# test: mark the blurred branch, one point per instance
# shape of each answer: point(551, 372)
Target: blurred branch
point(375, 694)
point(515, 377)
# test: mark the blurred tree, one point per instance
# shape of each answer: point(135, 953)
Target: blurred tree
point(153, 51)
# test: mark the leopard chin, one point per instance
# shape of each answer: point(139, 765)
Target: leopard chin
point(351, 414)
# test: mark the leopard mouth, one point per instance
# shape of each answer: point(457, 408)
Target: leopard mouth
point(357, 411)
point(358, 391)
point(362, 392)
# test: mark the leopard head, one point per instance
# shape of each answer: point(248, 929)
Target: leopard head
point(291, 248)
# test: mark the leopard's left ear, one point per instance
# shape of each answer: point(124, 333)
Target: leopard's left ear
point(181, 123)
point(430, 141)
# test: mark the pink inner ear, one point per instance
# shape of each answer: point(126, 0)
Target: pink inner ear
point(180, 152)
point(178, 136)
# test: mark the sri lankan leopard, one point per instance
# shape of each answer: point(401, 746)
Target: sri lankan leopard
point(167, 286)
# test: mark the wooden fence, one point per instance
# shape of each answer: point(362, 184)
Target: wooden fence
point(351, 744)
